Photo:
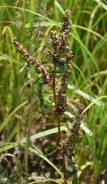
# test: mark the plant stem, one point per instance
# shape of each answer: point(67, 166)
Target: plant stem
point(59, 132)
point(64, 167)
point(58, 121)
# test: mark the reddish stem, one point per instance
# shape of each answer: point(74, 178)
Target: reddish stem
point(64, 167)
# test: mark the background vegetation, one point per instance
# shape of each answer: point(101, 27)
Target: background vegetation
point(21, 119)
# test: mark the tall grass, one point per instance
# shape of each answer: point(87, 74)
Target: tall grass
point(31, 21)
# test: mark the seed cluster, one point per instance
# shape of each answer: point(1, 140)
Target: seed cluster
point(63, 55)
point(73, 135)
point(67, 145)
point(32, 61)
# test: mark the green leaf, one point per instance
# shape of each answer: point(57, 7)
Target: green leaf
point(75, 180)
point(51, 147)
point(33, 137)
point(59, 64)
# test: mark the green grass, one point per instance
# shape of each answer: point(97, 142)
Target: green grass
point(31, 22)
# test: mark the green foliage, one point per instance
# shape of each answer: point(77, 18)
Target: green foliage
point(31, 22)
point(51, 147)
point(60, 65)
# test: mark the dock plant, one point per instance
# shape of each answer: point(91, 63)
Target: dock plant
point(55, 73)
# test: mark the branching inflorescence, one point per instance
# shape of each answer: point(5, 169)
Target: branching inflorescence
point(60, 56)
